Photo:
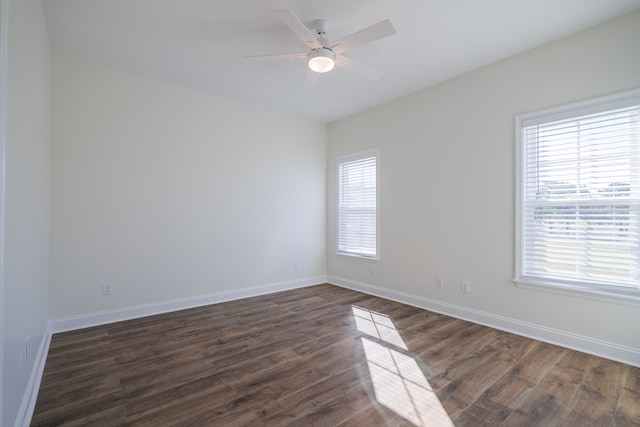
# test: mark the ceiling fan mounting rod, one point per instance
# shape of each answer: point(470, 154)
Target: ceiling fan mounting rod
point(321, 26)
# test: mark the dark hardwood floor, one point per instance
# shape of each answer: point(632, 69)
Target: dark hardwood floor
point(324, 356)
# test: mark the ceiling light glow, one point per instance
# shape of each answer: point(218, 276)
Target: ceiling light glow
point(322, 60)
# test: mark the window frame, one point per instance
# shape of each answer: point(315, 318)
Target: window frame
point(558, 113)
point(361, 155)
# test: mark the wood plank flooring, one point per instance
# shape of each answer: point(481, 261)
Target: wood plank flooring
point(324, 356)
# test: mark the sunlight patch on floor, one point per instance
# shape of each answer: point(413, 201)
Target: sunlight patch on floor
point(378, 326)
point(398, 382)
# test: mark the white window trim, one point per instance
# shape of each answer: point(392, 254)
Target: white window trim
point(346, 158)
point(557, 288)
point(548, 286)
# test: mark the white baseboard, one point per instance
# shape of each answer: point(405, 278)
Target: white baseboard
point(28, 404)
point(127, 313)
point(619, 353)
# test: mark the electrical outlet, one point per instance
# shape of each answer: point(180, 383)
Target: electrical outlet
point(294, 265)
point(372, 270)
point(465, 286)
point(439, 281)
point(107, 289)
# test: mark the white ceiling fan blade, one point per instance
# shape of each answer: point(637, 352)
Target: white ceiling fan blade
point(279, 56)
point(358, 68)
point(374, 32)
point(310, 81)
point(301, 30)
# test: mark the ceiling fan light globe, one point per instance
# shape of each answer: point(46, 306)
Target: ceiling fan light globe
point(322, 60)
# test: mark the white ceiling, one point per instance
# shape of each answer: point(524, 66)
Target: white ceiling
point(200, 44)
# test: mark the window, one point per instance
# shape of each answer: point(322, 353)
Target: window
point(578, 201)
point(358, 205)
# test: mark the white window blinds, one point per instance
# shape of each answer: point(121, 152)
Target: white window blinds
point(357, 205)
point(580, 198)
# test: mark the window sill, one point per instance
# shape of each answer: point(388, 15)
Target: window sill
point(632, 300)
point(356, 256)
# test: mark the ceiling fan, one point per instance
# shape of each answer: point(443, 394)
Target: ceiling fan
point(324, 55)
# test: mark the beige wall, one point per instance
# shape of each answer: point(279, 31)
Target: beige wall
point(447, 180)
point(26, 265)
point(169, 193)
